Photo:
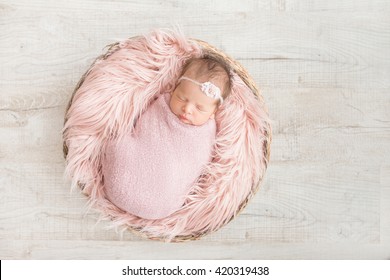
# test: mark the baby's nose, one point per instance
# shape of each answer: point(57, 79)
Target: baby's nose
point(187, 109)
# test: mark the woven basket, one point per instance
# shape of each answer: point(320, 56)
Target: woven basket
point(211, 51)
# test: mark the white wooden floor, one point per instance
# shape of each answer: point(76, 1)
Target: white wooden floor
point(324, 70)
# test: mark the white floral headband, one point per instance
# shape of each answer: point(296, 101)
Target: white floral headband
point(207, 88)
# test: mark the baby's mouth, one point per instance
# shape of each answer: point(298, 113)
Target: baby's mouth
point(183, 119)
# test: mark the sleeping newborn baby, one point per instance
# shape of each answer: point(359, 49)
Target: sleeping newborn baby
point(148, 172)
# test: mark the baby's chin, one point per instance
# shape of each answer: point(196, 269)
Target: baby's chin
point(186, 121)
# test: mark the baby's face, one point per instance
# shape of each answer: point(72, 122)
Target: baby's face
point(191, 105)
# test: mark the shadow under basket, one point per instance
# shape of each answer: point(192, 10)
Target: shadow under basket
point(243, 133)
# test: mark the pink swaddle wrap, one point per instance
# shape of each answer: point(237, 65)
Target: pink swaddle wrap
point(148, 172)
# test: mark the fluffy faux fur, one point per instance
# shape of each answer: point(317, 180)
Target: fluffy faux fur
point(118, 88)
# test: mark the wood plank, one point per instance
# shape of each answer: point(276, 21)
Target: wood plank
point(71, 249)
point(295, 49)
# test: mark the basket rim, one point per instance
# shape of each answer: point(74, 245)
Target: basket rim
point(237, 68)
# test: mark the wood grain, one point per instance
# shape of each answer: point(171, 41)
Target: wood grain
point(323, 68)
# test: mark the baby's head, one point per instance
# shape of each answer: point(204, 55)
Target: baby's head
point(203, 85)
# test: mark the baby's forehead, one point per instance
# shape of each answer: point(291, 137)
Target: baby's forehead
point(218, 80)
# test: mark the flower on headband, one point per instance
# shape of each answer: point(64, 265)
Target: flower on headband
point(210, 90)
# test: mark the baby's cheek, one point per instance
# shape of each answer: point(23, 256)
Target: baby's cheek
point(172, 106)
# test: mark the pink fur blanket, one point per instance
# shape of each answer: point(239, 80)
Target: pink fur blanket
point(150, 170)
point(118, 88)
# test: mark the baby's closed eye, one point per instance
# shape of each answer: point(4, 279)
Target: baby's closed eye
point(180, 98)
point(201, 109)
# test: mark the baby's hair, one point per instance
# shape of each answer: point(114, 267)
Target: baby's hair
point(210, 67)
